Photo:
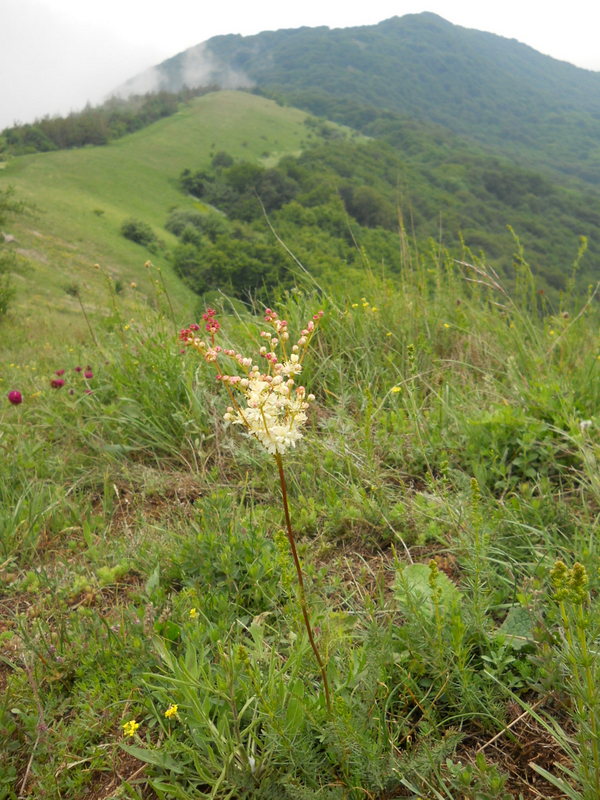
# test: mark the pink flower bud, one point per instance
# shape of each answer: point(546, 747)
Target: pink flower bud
point(57, 383)
point(15, 397)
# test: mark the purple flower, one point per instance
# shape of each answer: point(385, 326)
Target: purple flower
point(57, 383)
point(88, 374)
point(59, 372)
point(77, 369)
point(15, 397)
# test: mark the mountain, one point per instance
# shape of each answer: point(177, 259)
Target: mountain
point(486, 88)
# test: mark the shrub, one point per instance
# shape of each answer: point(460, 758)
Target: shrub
point(139, 232)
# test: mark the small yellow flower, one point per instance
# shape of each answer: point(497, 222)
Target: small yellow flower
point(389, 333)
point(171, 711)
point(129, 728)
point(36, 394)
point(395, 389)
point(374, 308)
point(446, 325)
point(354, 305)
point(193, 613)
point(551, 332)
point(126, 327)
point(133, 285)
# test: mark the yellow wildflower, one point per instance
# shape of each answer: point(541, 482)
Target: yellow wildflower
point(446, 325)
point(193, 613)
point(171, 711)
point(396, 389)
point(129, 728)
point(389, 333)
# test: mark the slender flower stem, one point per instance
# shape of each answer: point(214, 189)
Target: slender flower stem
point(301, 590)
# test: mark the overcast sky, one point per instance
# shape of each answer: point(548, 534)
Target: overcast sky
point(55, 55)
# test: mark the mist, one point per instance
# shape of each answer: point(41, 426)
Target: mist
point(50, 64)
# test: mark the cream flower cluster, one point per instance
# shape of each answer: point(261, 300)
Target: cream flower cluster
point(272, 407)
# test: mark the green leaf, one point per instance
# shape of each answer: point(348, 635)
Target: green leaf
point(413, 586)
point(516, 630)
point(155, 757)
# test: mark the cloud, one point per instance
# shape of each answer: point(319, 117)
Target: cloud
point(201, 68)
point(52, 64)
point(196, 66)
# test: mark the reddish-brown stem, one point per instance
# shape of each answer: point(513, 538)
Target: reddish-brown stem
point(299, 573)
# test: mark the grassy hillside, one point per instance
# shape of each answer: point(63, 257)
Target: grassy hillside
point(151, 641)
point(78, 199)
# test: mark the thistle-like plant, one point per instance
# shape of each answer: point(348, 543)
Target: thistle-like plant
point(270, 406)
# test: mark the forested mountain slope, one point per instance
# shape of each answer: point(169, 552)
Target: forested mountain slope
point(484, 87)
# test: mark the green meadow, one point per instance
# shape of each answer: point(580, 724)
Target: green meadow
point(443, 499)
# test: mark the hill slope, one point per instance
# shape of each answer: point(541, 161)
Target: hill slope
point(482, 86)
point(80, 198)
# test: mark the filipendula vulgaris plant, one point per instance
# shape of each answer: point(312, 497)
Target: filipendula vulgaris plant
point(270, 406)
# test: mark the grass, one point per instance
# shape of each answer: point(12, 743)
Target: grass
point(444, 471)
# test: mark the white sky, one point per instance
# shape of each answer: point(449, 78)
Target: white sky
point(55, 55)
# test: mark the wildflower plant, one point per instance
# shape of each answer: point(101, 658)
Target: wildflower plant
point(269, 405)
point(578, 638)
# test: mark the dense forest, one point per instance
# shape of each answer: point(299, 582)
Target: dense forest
point(345, 195)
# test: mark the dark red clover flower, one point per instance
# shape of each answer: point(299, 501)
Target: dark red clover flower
point(57, 383)
point(59, 372)
point(212, 326)
point(78, 369)
point(88, 373)
point(15, 397)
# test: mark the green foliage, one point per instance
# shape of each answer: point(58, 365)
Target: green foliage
point(139, 232)
point(382, 186)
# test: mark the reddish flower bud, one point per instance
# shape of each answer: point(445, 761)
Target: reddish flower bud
point(15, 397)
point(88, 374)
point(57, 383)
point(59, 372)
